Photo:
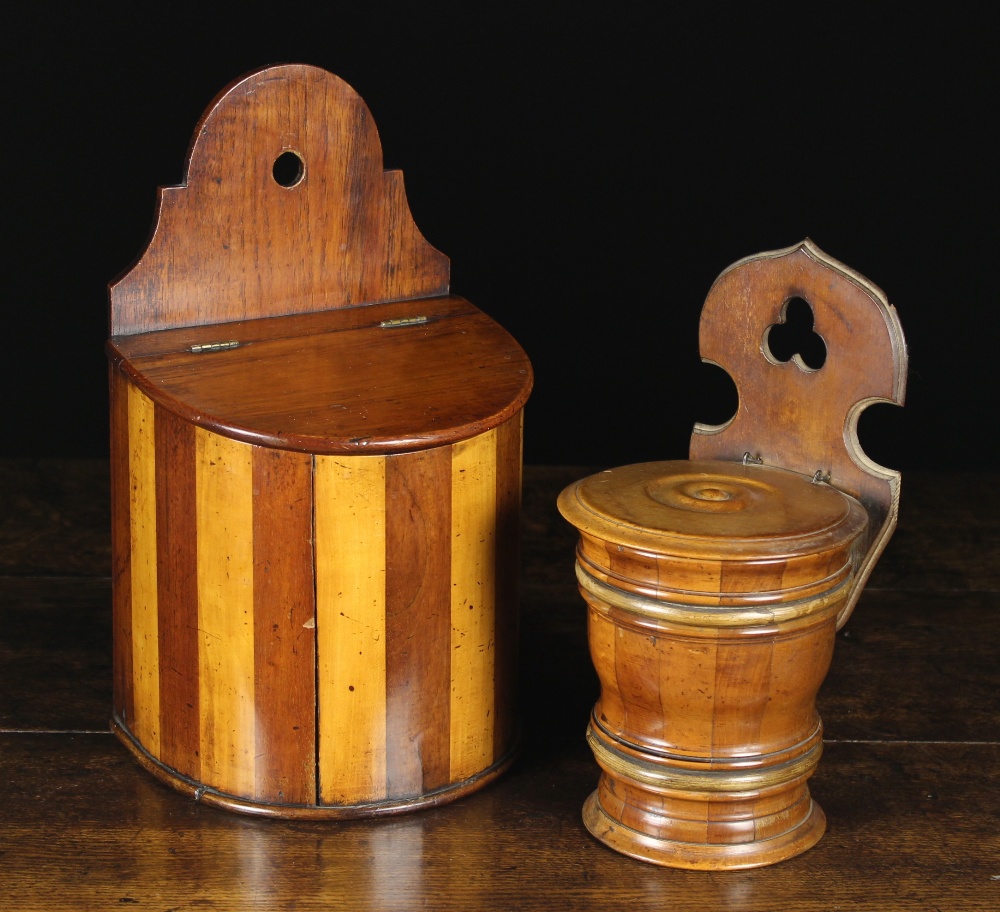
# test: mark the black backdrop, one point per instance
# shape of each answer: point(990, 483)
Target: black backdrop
point(589, 170)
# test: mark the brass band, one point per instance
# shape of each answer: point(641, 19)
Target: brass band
point(711, 615)
point(657, 775)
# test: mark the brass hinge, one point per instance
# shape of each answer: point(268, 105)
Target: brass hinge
point(402, 321)
point(214, 347)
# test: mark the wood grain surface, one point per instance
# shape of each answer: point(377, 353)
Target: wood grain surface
point(285, 672)
point(145, 640)
point(797, 417)
point(350, 609)
point(177, 591)
point(224, 547)
point(713, 591)
point(909, 776)
point(418, 621)
point(298, 633)
point(314, 634)
point(234, 241)
point(473, 603)
point(715, 585)
point(339, 381)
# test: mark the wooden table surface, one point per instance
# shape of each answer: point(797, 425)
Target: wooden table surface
point(910, 777)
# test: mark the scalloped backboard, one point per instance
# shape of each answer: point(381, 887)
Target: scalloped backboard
point(249, 236)
point(795, 417)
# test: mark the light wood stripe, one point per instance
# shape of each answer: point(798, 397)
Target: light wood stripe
point(351, 630)
point(224, 483)
point(473, 608)
point(121, 550)
point(509, 461)
point(142, 512)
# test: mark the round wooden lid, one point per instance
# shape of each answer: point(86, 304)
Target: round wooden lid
point(712, 509)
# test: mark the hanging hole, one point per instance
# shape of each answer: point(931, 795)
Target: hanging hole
point(288, 169)
point(714, 396)
point(794, 337)
point(883, 430)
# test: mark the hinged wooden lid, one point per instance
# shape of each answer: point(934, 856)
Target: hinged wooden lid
point(386, 378)
point(714, 510)
point(287, 298)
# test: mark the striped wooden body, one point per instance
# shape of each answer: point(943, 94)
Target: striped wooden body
point(316, 457)
point(308, 634)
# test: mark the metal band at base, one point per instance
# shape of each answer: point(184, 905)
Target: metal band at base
point(658, 775)
point(207, 795)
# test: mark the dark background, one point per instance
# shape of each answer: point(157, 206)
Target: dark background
point(589, 170)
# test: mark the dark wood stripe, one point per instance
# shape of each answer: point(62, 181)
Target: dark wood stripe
point(418, 621)
point(284, 627)
point(121, 549)
point(508, 493)
point(177, 593)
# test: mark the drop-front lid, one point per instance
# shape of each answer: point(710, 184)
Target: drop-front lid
point(711, 508)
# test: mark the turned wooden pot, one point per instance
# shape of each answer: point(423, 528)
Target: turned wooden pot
point(316, 477)
point(713, 593)
point(715, 585)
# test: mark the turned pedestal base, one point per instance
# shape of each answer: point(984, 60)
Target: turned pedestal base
point(700, 816)
point(676, 854)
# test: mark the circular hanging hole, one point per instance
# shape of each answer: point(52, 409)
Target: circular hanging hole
point(288, 169)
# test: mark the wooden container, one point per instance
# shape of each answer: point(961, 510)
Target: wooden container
point(316, 467)
point(715, 586)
